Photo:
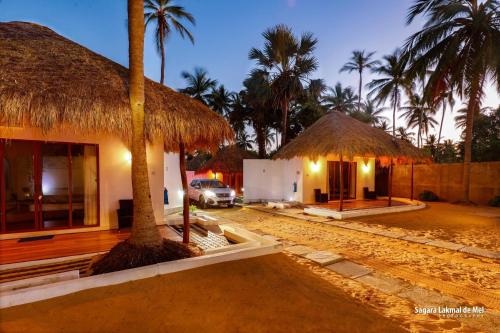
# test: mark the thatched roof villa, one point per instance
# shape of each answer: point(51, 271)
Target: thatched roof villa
point(333, 160)
point(64, 128)
point(227, 166)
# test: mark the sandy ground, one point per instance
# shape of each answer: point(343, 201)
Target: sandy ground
point(472, 280)
point(265, 294)
point(469, 225)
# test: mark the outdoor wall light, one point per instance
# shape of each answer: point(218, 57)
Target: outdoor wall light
point(128, 157)
point(242, 189)
point(365, 167)
point(315, 166)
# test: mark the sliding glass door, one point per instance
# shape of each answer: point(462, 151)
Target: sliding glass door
point(48, 185)
point(349, 179)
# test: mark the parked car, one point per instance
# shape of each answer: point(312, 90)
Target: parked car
point(211, 192)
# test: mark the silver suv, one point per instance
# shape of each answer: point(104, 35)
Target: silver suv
point(211, 192)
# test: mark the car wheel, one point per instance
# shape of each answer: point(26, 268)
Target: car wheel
point(201, 202)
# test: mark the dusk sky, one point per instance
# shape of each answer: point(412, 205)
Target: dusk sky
point(227, 29)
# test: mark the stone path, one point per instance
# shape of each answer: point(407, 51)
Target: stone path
point(294, 213)
point(422, 297)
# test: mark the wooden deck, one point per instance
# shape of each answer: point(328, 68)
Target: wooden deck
point(357, 204)
point(11, 251)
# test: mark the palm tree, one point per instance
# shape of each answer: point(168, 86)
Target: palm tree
point(244, 141)
point(359, 62)
point(403, 134)
point(392, 84)
point(288, 61)
point(199, 84)
point(461, 117)
point(144, 230)
point(444, 98)
point(419, 114)
point(340, 99)
point(384, 126)
point(220, 100)
point(373, 112)
point(460, 39)
point(166, 16)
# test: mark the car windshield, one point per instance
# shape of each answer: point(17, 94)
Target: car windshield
point(212, 184)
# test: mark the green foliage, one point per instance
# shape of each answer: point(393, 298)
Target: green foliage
point(428, 196)
point(192, 208)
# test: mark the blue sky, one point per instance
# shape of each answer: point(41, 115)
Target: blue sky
point(227, 29)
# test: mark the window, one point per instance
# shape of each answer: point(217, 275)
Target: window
point(48, 185)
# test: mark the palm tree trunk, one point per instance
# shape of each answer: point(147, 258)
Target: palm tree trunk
point(284, 126)
point(144, 231)
point(472, 106)
point(441, 124)
point(359, 90)
point(394, 114)
point(162, 49)
point(185, 196)
point(261, 141)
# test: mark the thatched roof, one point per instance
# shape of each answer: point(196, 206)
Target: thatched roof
point(227, 160)
point(50, 82)
point(197, 161)
point(339, 134)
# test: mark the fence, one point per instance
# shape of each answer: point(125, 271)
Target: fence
point(446, 181)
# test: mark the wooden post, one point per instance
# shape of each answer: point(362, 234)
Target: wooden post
point(390, 184)
point(411, 187)
point(341, 202)
point(185, 197)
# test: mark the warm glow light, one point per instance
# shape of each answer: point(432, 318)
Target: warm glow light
point(180, 193)
point(128, 157)
point(242, 189)
point(365, 167)
point(315, 166)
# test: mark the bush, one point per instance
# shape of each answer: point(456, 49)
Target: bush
point(495, 202)
point(428, 196)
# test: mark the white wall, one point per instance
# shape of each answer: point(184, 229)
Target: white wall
point(172, 179)
point(272, 180)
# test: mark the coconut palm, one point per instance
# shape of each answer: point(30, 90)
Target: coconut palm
point(144, 230)
point(220, 100)
point(340, 99)
point(384, 126)
point(165, 16)
point(443, 98)
point(373, 112)
point(461, 117)
point(199, 84)
point(403, 134)
point(288, 61)
point(419, 114)
point(460, 39)
point(358, 62)
point(392, 84)
point(244, 141)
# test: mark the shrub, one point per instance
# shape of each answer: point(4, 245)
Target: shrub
point(495, 202)
point(428, 196)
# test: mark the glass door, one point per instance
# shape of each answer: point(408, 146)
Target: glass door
point(18, 186)
point(349, 179)
point(55, 181)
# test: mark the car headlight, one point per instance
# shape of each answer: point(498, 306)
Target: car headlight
point(233, 193)
point(209, 194)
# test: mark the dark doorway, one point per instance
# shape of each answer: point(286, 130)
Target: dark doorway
point(349, 177)
point(381, 180)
